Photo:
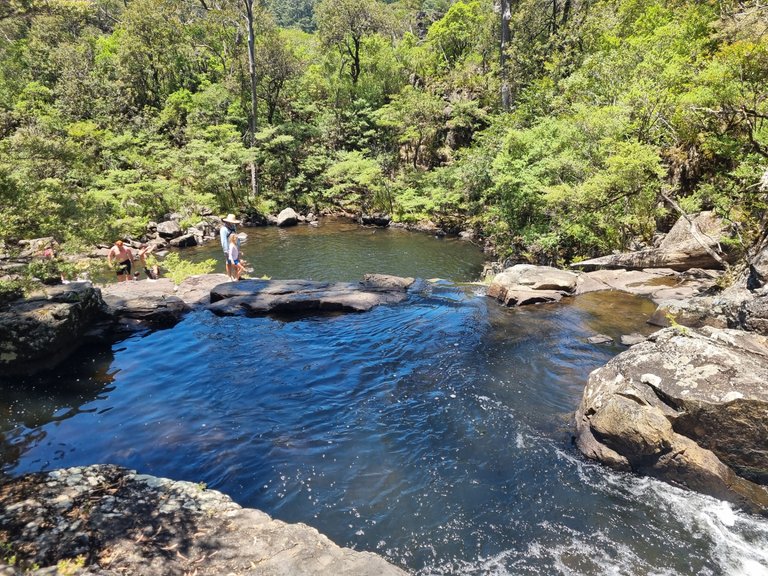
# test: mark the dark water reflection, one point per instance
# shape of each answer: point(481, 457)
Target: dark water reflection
point(436, 432)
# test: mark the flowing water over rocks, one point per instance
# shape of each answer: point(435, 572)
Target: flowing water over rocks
point(435, 432)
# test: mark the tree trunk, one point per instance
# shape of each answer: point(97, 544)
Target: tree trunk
point(554, 17)
point(356, 60)
point(696, 233)
point(506, 15)
point(252, 73)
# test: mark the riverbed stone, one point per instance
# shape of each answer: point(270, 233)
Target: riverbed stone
point(686, 405)
point(120, 522)
point(524, 284)
point(152, 302)
point(185, 241)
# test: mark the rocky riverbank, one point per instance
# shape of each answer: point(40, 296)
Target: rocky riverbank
point(689, 404)
point(105, 520)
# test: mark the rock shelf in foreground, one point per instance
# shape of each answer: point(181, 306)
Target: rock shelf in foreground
point(110, 520)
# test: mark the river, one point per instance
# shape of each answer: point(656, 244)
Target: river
point(436, 432)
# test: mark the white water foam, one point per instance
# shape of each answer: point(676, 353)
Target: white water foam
point(739, 541)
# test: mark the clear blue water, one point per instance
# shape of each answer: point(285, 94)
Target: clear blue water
point(436, 432)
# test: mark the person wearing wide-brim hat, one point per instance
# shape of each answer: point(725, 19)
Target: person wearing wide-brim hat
point(228, 227)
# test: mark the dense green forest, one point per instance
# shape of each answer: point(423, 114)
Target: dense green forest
point(553, 128)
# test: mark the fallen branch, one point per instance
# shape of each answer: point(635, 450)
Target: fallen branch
point(698, 234)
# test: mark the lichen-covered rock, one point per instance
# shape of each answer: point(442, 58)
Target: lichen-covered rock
point(689, 406)
point(106, 520)
point(38, 332)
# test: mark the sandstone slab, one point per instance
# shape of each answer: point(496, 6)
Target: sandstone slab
point(689, 406)
point(528, 284)
point(38, 332)
point(121, 522)
point(259, 297)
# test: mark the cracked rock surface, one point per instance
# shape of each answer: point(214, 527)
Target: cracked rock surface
point(107, 520)
point(689, 406)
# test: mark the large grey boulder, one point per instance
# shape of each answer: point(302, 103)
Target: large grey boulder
point(159, 302)
point(169, 229)
point(259, 297)
point(689, 406)
point(681, 249)
point(524, 284)
point(38, 332)
point(287, 217)
point(122, 522)
point(185, 241)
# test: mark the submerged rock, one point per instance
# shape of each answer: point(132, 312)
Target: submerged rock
point(688, 406)
point(119, 522)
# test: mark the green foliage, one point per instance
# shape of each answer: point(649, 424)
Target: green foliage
point(178, 269)
point(50, 270)
point(454, 35)
point(356, 182)
point(11, 290)
point(113, 114)
point(70, 566)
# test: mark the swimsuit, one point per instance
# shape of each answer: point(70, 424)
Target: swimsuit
point(124, 267)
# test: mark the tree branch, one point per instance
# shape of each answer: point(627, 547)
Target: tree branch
point(696, 233)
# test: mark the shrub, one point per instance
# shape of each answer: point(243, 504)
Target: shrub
point(177, 269)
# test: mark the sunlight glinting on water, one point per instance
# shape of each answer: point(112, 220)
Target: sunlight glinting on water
point(436, 432)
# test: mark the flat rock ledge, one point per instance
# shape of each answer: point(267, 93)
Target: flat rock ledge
point(39, 331)
point(106, 520)
point(689, 406)
point(525, 284)
point(260, 297)
point(159, 302)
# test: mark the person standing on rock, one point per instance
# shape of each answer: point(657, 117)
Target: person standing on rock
point(150, 267)
point(120, 258)
point(233, 258)
point(228, 227)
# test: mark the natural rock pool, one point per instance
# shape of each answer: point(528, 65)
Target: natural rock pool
point(436, 432)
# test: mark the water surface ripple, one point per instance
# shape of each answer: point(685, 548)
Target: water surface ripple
point(436, 432)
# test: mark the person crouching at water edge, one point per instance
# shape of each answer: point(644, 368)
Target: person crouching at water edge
point(233, 258)
point(121, 259)
point(228, 230)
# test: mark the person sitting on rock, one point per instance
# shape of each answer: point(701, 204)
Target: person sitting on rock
point(120, 257)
